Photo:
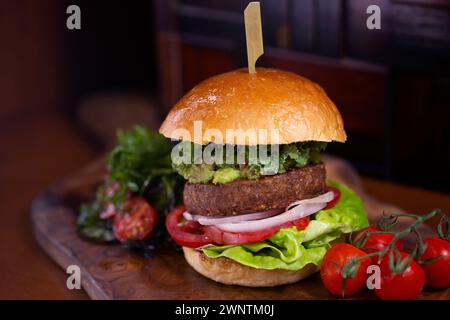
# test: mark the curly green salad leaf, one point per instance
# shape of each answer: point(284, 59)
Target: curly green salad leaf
point(140, 162)
point(292, 155)
point(291, 249)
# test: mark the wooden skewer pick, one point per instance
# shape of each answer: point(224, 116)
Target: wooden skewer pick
point(253, 34)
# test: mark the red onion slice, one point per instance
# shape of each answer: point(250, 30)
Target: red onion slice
point(262, 220)
point(207, 221)
point(300, 211)
point(326, 197)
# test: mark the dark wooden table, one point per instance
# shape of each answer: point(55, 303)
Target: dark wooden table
point(39, 150)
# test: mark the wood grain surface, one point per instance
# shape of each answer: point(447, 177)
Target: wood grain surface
point(113, 272)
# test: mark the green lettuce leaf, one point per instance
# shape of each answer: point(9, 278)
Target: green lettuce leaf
point(348, 214)
point(291, 249)
point(282, 251)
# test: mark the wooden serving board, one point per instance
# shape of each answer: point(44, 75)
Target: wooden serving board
point(113, 272)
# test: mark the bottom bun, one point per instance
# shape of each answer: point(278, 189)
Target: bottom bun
point(227, 271)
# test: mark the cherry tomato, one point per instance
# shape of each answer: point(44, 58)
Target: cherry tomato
point(404, 286)
point(437, 273)
point(331, 275)
point(186, 234)
point(375, 242)
point(337, 196)
point(137, 222)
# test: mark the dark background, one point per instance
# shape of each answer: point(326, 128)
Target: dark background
point(392, 85)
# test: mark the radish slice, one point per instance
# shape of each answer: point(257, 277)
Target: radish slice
point(110, 211)
point(300, 211)
point(207, 221)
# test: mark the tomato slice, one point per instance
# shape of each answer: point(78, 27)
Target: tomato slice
point(337, 196)
point(192, 234)
point(300, 224)
point(221, 237)
point(225, 237)
point(187, 234)
point(138, 221)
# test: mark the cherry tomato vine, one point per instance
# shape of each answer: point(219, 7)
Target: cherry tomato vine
point(398, 263)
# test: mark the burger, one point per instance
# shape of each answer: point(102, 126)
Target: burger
point(258, 210)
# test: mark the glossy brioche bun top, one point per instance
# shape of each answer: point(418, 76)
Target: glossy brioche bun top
point(297, 108)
